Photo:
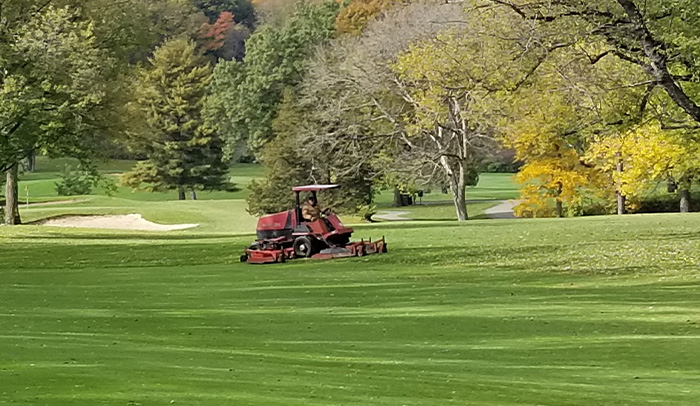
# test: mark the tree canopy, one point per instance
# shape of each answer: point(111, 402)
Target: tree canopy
point(183, 152)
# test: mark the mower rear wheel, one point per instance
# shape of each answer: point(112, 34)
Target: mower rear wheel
point(303, 247)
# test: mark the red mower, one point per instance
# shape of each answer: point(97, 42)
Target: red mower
point(287, 235)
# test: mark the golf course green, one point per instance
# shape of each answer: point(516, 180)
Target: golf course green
point(587, 311)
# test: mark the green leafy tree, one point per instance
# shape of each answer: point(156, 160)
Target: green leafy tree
point(246, 95)
point(183, 152)
point(285, 167)
point(51, 88)
point(295, 157)
point(660, 36)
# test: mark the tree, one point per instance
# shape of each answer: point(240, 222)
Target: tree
point(246, 95)
point(285, 165)
point(242, 10)
point(183, 152)
point(135, 27)
point(659, 36)
point(453, 83)
point(357, 95)
point(50, 88)
point(423, 79)
point(649, 155)
point(295, 156)
point(224, 39)
point(353, 18)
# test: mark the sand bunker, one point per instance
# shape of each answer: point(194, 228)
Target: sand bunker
point(115, 222)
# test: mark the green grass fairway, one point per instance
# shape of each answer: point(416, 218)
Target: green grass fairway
point(41, 185)
point(216, 211)
point(590, 311)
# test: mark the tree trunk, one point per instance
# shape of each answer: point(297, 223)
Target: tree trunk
point(31, 162)
point(193, 194)
point(559, 209)
point(685, 200)
point(180, 193)
point(459, 192)
point(621, 199)
point(397, 197)
point(459, 198)
point(684, 192)
point(559, 205)
point(11, 197)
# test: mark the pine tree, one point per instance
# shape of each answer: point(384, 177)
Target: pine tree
point(183, 152)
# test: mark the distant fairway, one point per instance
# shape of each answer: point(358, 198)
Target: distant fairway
point(591, 311)
point(217, 211)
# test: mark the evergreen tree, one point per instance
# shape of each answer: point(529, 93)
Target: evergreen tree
point(183, 152)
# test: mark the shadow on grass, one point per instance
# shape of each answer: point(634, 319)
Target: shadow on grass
point(54, 256)
point(133, 236)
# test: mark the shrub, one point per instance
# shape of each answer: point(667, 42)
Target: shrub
point(74, 182)
point(666, 203)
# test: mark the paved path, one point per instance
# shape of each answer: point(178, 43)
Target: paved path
point(391, 216)
point(504, 210)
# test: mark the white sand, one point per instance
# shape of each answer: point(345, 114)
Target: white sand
point(115, 222)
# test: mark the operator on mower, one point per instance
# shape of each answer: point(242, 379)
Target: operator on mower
point(310, 210)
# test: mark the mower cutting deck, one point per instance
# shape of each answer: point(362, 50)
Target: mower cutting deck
point(287, 235)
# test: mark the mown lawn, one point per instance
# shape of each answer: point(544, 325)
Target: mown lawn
point(591, 311)
point(491, 186)
point(218, 211)
point(40, 186)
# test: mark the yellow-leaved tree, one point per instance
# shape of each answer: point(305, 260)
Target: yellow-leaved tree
point(554, 178)
point(571, 102)
point(353, 18)
point(638, 160)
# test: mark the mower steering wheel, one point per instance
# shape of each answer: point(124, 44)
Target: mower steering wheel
point(326, 212)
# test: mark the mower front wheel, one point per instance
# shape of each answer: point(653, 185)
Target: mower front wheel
point(303, 247)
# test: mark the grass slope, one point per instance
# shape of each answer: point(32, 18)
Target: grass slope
point(527, 312)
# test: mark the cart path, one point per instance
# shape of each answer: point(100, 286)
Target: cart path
point(390, 215)
point(504, 210)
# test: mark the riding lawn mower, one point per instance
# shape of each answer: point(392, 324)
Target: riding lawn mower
point(287, 235)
